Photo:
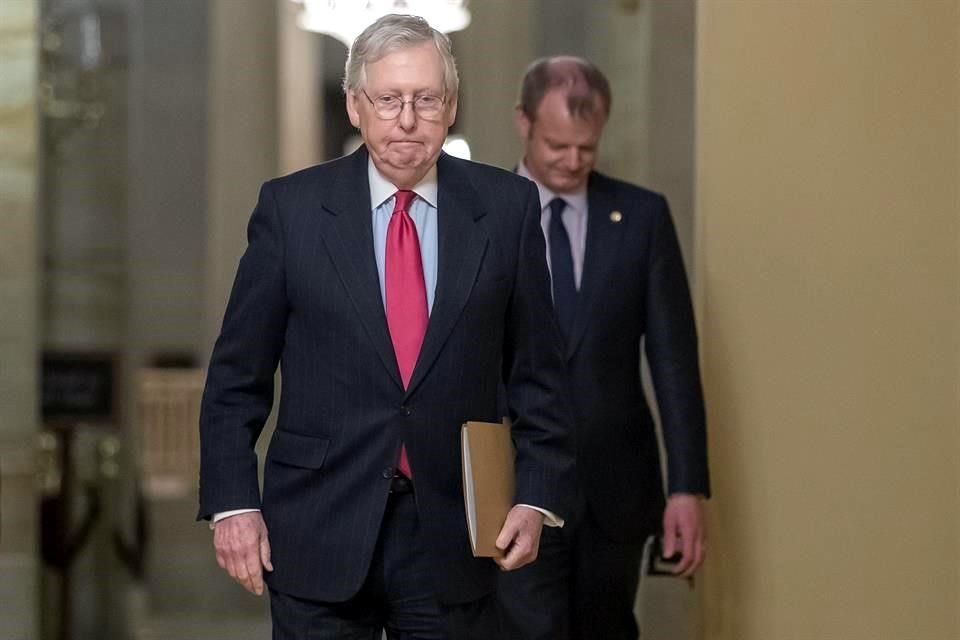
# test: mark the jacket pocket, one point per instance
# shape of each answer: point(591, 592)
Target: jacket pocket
point(298, 450)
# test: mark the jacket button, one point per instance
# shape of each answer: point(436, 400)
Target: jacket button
point(387, 473)
point(405, 410)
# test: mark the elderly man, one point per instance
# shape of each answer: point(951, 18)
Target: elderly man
point(619, 286)
point(397, 288)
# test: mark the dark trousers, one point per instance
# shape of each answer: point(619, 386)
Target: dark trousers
point(397, 597)
point(582, 586)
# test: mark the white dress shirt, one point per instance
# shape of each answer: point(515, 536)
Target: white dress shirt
point(574, 220)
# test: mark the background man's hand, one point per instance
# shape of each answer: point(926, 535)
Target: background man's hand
point(519, 537)
point(683, 531)
point(243, 550)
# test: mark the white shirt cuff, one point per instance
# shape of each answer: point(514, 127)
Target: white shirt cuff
point(217, 517)
point(550, 519)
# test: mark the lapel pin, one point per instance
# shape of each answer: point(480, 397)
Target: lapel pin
point(616, 216)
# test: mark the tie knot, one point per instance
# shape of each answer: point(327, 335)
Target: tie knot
point(403, 200)
point(557, 206)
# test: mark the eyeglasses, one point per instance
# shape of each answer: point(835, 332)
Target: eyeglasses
point(388, 107)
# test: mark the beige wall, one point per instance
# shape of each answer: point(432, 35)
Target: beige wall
point(828, 235)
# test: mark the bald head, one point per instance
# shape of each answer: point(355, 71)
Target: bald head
point(586, 90)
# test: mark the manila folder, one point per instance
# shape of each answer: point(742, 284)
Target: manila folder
point(488, 482)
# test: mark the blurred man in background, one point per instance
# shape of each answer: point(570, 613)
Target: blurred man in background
point(619, 286)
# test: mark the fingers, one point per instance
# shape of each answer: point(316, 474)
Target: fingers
point(242, 549)
point(265, 553)
point(519, 538)
point(505, 543)
point(251, 573)
point(507, 533)
point(683, 533)
point(692, 548)
point(521, 552)
point(687, 545)
point(670, 533)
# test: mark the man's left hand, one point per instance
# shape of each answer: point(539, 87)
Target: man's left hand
point(684, 531)
point(519, 537)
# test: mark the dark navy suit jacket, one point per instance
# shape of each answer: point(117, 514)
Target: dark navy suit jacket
point(634, 292)
point(307, 296)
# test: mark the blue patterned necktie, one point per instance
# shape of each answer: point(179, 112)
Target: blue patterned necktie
point(561, 268)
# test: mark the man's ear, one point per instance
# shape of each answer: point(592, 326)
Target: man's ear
point(353, 111)
point(452, 112)
point(522, 122)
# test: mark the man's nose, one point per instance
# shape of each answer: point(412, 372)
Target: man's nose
point(407, 117)
point(572, 159)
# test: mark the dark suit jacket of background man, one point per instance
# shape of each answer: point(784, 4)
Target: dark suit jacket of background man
point(634, 286)
point(307, 294)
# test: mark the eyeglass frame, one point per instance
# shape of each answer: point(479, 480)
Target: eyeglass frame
point(404, 103)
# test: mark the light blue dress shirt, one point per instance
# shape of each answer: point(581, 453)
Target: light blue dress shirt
point(423, 212)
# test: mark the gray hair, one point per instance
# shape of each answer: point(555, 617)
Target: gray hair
point(392, 33)
point(582, 81)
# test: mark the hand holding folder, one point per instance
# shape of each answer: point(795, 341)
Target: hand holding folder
point(488, 482)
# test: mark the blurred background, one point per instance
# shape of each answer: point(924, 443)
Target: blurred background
point(810, 150)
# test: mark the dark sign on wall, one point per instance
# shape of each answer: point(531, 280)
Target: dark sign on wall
point(78, 386)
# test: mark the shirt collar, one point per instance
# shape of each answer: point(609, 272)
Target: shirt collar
point(577, 200)
point(382, 189)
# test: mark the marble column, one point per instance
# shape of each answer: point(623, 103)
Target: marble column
point(300, 100)
point(18, 331)
point(241, 137)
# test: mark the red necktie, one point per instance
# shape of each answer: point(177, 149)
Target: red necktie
point(406, 295)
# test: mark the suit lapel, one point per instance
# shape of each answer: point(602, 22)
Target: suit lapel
point(347, 212)
point(604, 232)
point(461, 246)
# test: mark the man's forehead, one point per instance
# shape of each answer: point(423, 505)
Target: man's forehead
point(422, 55)
point(416, 65)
